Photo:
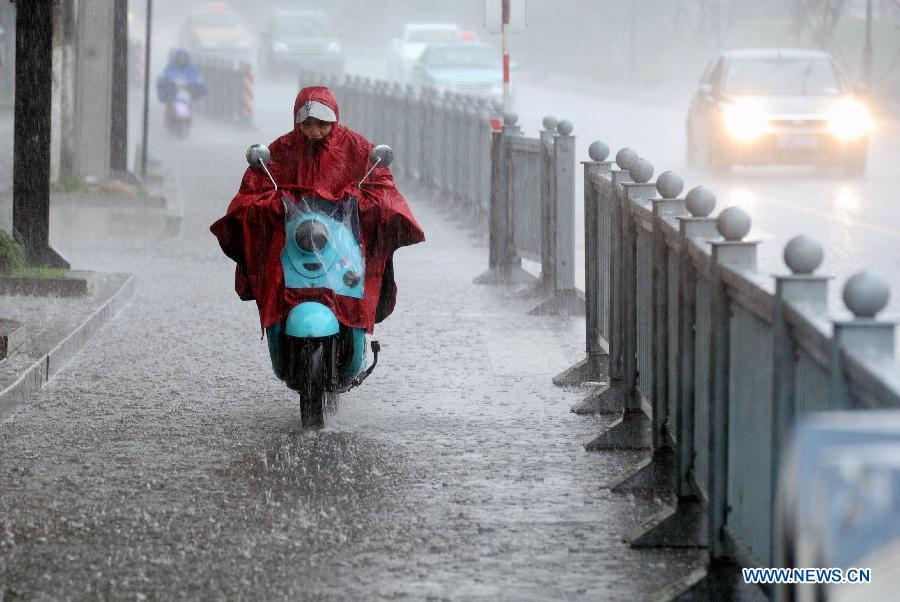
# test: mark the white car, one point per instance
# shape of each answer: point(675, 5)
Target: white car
point(407, 49)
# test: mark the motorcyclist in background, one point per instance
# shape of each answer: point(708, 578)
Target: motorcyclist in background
point(180, 72)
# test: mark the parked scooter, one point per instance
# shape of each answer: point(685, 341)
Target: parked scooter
point(311, 351)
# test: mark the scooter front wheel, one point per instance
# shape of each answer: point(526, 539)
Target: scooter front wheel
point(312, 406)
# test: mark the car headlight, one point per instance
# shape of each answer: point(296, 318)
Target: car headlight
point(745, 121)
point(849, 120)
point(279, 47)
point(334, 47)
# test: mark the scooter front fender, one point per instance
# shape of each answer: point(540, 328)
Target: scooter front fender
point(311, 319)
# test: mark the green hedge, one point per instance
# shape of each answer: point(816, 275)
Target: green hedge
point(12, 256)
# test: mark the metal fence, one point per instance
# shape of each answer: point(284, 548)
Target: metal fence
point(231, 89)
point(521, 189)
point(708, 361)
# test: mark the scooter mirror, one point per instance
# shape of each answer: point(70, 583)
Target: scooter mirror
point(383, 152)
point(258, 155)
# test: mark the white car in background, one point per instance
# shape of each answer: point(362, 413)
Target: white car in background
point(406, 50)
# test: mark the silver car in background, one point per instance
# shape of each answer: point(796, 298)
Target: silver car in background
point(765, 106)
point(293, 40)
point(466, 67)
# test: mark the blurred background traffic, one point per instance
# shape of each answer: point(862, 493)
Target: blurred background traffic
point(787, 108)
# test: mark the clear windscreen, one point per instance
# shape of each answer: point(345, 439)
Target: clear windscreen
point(322, 245)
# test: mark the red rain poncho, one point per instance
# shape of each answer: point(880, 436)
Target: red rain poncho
point(252, 232)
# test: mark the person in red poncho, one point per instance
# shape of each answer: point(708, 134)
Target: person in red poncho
point(327, 160)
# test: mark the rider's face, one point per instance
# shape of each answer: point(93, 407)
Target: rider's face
point(315, 129)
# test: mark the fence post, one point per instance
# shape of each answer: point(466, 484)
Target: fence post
point(658, 471)
point(685, 523)
point(566, 299)
point(733, 224)
point(668, 206)
point(632, 430)
point(595, 366)
point(548, 213)
point(610, 398)
point(485, 141)
point(864, 295)
point(505, 266)
point(804, 290)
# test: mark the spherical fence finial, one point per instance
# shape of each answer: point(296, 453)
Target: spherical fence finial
point(700, 201)
point(549, 122)
point(598, 151)
point(865, 294)
point(669, 185)
point(733, 224)
point(510, 119)
point(803, 255)
point(640, 170)
point(624, 158)
point(564, 127)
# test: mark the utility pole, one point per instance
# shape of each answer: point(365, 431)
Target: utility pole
point(505, 30)
point(118, 139)
point(867, 48)
point(31, 154)
point(144, 144)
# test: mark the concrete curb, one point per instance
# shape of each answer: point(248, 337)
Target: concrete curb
point(40, 372)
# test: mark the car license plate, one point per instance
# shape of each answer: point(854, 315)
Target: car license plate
point(798, 141)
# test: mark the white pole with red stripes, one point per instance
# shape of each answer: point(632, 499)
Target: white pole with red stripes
point(247, 95)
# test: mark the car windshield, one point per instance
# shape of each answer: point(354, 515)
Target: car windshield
point(432, 36)
point(462, 56)
point(782, 77)
point(301, 25)
point(225, 20)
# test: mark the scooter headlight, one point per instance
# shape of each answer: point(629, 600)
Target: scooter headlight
point(312, 235)
point(351, 279)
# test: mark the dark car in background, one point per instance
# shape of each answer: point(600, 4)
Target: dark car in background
point(772, 106)
point(290, 40)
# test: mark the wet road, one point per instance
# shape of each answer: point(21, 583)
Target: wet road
point(166, 461)
point(856, 220)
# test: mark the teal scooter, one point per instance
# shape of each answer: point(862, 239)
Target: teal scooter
point(311, 351)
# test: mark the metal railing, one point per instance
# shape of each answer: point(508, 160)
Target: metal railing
point(709, 362)
point(521, 189)
point(230, 87)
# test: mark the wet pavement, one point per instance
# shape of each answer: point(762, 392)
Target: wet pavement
point(167, 462)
